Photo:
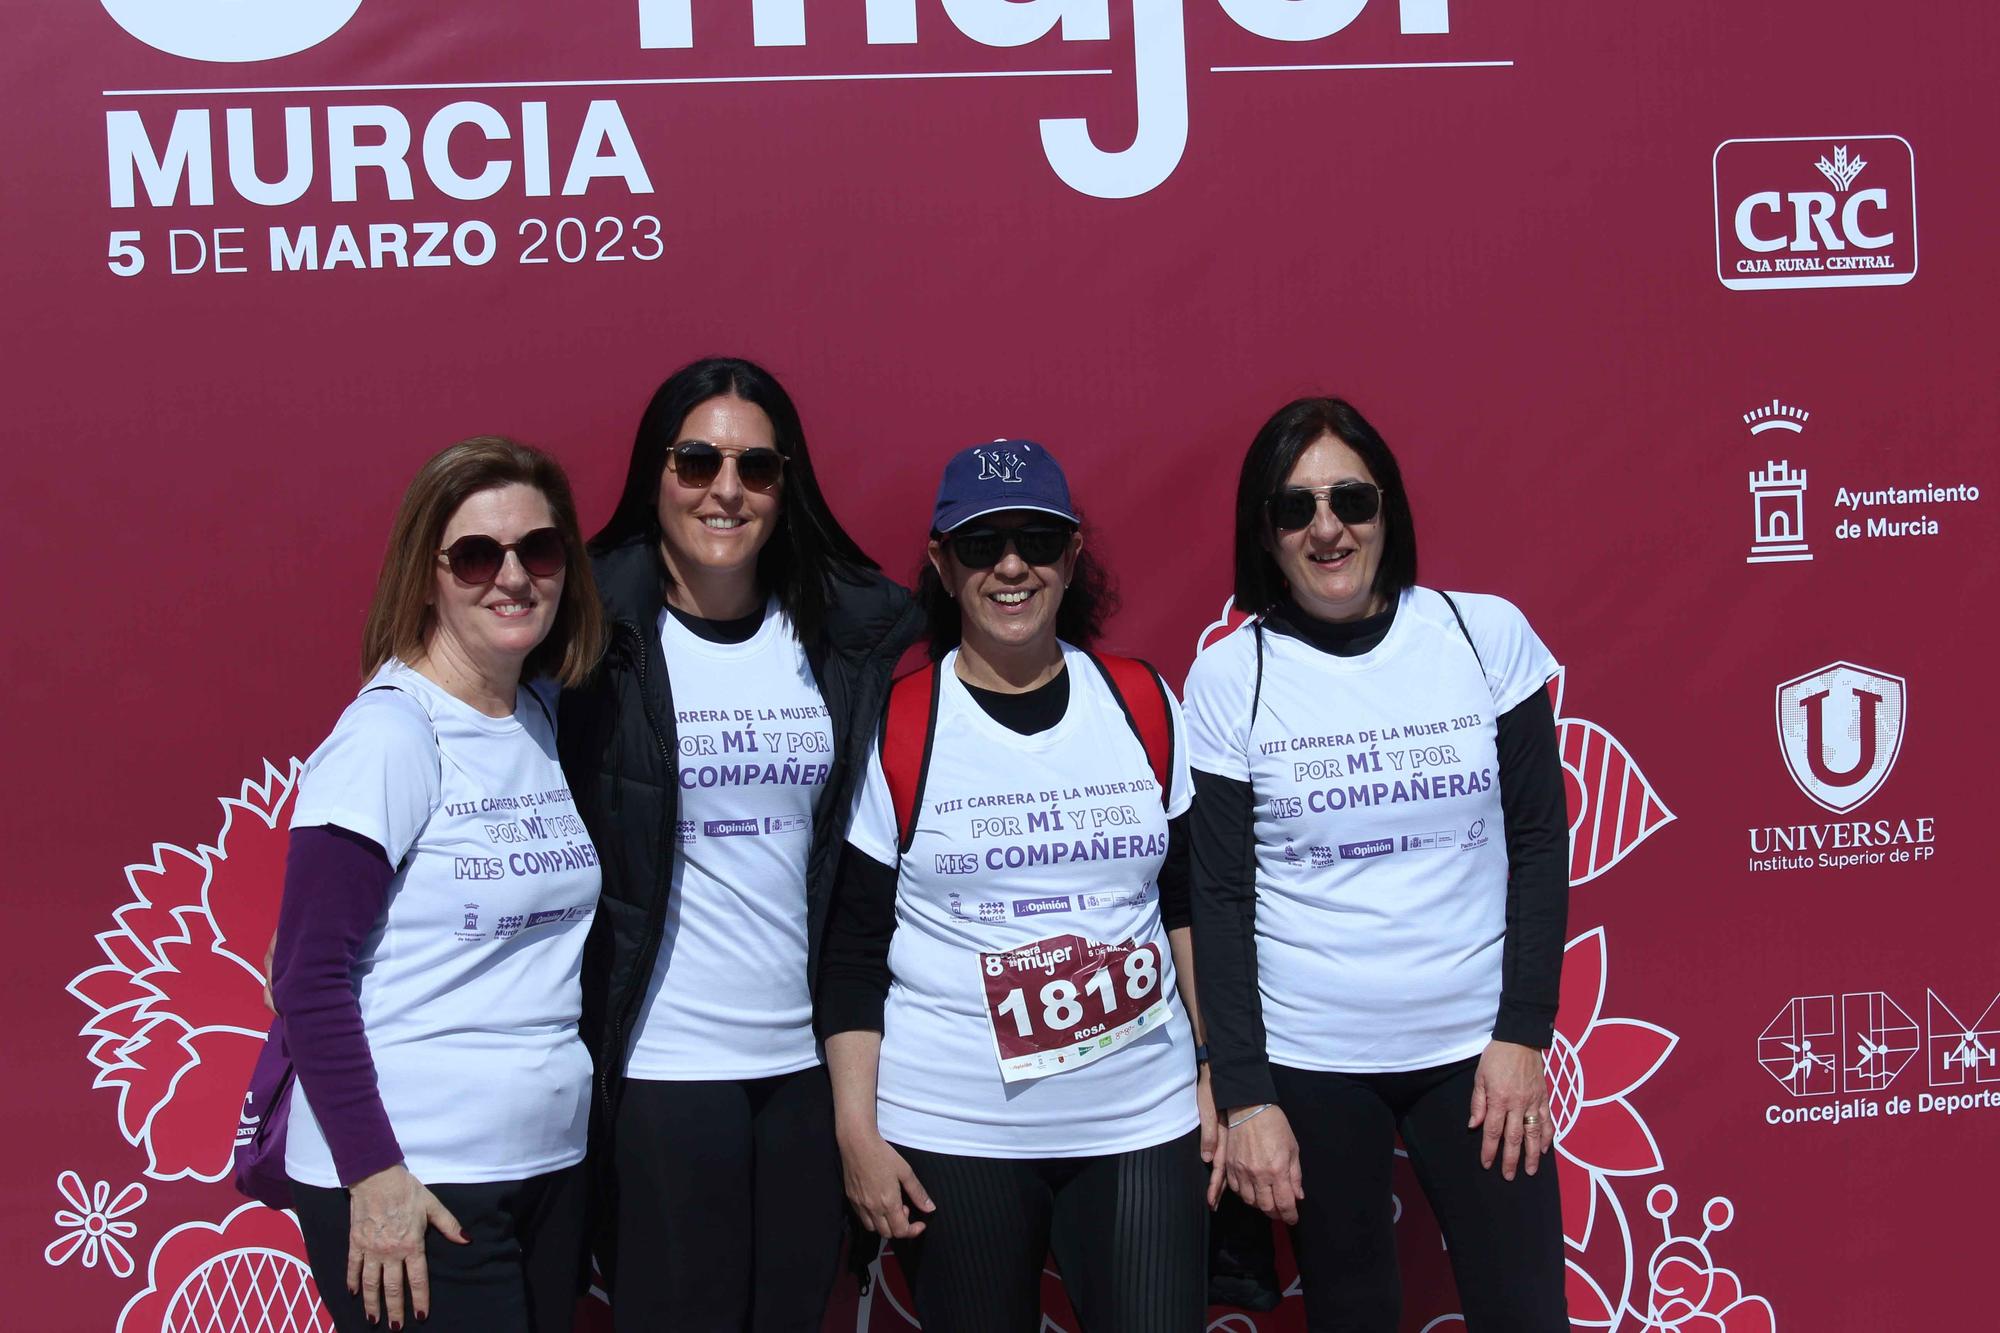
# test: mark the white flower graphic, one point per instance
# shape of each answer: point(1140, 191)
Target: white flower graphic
point(91, 1224)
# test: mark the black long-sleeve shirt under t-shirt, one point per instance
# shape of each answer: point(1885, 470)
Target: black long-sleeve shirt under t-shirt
point(854, 963)
point(1223, 850)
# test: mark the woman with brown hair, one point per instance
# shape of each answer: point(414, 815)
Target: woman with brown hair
point(437, 894)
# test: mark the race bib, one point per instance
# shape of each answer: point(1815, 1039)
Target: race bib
point(1060, 1003)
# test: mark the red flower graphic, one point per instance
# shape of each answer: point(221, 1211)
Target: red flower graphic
point(1612, 808)
point(177, 1013)
point(1690, 1293)
point(1219, 627)
point(1594, 1064)
point(246, 1275)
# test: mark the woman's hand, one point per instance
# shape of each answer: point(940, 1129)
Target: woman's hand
point(1510, 1097)
point(878, 1182)
point(1263, 1161)
point(1214, 1137)
point(387, 1216)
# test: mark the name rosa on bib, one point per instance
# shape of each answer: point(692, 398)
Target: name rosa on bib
point(1067, 1001)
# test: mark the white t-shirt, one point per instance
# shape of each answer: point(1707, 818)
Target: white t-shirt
point(469, 985)
point(1381, 852)
point(728, 997)
point(1021, 839)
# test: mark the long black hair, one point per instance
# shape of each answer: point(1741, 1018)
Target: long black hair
point(1087, 603)
point(808, 548)
point(1293, 429)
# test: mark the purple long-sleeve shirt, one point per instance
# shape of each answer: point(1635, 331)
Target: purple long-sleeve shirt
point(336, 890)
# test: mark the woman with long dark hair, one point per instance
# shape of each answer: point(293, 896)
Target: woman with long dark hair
point(713, 755)
point(1380, 885)
point(1008, 994)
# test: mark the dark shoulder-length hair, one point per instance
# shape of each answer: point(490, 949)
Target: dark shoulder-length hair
point(808, 547)
point(1292, 430)
point(1087, 603)
point(401, 618)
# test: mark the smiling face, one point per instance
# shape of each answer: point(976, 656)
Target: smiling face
point(710, 535)
point(1009, 609)
point(1330, 565)
point(492, 627)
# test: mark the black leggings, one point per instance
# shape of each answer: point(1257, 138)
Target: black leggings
point(518, 1274)
point(729, 1205)
point(1129, 1231)
point(1504, 1236)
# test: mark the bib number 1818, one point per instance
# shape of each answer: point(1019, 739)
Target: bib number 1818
point(1066, 1001)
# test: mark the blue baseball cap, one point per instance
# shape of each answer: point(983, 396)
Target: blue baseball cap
point(1006, 474)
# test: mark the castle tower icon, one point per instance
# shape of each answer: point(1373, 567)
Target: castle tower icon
point(1778, 495)
point(1778, 492)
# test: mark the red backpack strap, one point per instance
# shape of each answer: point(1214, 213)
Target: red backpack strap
point(908, 724)
point(1143, 697)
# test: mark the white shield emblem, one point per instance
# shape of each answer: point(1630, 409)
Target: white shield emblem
point(1840, 729)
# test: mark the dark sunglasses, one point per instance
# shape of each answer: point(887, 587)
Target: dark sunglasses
point(477, 558)
point(983, 548)
point(1351, 502)
point(698, 463)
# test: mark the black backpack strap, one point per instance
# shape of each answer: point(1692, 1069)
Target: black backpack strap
point(1463, 630)
point(1257, 690)
point(542, 704)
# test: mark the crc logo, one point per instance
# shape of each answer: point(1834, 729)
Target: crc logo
point(1816, 1048)
point(1840, 729)
point(231, 31)
point(1838, 212)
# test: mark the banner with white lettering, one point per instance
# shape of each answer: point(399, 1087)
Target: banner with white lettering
point(1677, 318)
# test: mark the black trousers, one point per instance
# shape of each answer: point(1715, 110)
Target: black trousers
point(518, 1274)
point(730, 1206)
point(1129, 1231)
point(1504, 1236)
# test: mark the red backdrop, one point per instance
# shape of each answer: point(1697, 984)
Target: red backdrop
point(1589, 268)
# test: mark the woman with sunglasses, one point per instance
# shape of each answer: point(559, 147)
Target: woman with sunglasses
point(713, 756)
point(1380, 888)
point(1007, 995)
point(437, 893)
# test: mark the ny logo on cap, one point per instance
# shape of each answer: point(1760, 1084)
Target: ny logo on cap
point(1005, 467)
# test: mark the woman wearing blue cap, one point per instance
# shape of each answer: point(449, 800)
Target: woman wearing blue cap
point(1007, 992)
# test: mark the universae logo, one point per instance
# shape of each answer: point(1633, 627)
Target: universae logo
point(1840, 729)
point(1835, 211)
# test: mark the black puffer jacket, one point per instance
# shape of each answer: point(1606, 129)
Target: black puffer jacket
point(619, 748)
